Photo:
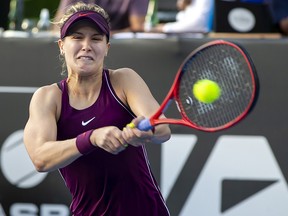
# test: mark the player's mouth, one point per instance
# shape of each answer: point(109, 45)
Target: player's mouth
point(85, 58)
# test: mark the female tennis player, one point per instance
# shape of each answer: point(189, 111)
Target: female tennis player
point(76, 125)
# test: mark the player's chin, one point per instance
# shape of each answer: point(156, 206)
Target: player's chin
point(86, 71)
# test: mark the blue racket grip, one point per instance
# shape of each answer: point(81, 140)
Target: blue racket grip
point(144, 125)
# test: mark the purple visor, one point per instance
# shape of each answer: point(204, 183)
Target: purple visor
point(98, 19)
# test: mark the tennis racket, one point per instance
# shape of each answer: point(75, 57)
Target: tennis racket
point(225, 63)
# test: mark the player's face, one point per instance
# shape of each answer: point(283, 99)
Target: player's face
point(84, 48)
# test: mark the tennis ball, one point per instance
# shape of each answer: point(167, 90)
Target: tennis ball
point(206, 91)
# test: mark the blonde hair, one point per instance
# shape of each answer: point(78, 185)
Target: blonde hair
point(81, 6)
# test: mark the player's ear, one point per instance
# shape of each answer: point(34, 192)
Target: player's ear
point(60, 45)
point(107, 49)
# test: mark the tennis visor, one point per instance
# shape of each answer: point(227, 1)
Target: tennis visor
point(95, 17)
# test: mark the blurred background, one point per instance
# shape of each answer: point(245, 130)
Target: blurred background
point(236, 172)
point(30, 9)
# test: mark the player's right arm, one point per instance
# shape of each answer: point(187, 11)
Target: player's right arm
point(40, 132)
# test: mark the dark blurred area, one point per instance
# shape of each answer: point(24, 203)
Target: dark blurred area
point(13, 12)
point(254, 16)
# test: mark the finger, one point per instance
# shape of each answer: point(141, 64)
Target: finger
point(113, 146)
point(127, 135)
point(121, 140)
point(117, 150)
point(123, 144)
point(117, 145)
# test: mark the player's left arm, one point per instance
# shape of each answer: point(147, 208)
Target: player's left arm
point(136, 94)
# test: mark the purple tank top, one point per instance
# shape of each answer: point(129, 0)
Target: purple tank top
point(102, 183)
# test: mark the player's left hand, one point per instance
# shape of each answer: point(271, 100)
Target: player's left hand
point(135, 137)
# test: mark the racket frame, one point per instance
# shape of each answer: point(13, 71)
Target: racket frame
point(173, 93)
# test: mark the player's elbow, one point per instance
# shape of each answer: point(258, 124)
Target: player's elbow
point(39, 165)
point(37, 160)
point(167, 133)
point(162, 134)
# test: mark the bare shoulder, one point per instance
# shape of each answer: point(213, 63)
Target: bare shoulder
point(122, 72)
point(124, 75)
point(48, 91)
point(48, 97)
point(125, 80)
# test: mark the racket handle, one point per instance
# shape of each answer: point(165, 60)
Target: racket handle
point(144, 125)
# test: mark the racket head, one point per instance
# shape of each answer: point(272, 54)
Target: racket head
point(230, 66)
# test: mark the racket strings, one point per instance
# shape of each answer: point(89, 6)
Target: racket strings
point(227, 66)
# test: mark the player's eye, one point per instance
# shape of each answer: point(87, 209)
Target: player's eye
point(76, 36)
point(97, 38)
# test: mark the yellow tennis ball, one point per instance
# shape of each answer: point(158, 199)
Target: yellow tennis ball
point(206, 91)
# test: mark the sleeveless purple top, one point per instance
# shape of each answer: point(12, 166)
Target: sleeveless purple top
point(102, 183)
